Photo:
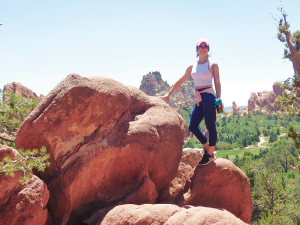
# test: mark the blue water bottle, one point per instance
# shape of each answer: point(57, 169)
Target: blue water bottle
point(218, 103)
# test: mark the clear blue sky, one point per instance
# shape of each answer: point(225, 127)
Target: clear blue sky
point(41, 42)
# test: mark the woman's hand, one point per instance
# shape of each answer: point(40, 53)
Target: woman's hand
point(165, 97)
point(185, 76)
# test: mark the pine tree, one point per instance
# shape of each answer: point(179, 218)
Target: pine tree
point(289, 101)
point(26, 161)
point(273, 137)
point(13, 110)
point(292, 41)
point(268, 192)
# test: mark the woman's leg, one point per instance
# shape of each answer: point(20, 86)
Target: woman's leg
point(209, 113)
point(195, 120)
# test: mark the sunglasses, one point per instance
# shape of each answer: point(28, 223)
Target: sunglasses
point(203, 46)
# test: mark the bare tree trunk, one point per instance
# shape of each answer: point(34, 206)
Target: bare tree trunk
point(295, 55)
point(296, 65)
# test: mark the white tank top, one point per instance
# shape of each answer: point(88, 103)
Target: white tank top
point(201, 74)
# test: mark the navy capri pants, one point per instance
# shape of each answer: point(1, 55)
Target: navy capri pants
point(206, 110)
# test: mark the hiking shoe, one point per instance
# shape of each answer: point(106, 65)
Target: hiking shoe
point(204, 159)
point(211, 158)
point(207, 159)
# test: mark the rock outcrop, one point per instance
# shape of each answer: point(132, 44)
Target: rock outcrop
point(243, 111)
point(190, 159)
point(221, 184)
point(184, 97)
point(277, 89)
point(109, 144)
point(113, 147)
point(21, 90)
point(252, 101)
point(167, 214)
point(21, 203)
point(264, 101)
point(220, 191)
point(235, 108)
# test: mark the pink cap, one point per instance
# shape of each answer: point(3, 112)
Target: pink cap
point(202, 40)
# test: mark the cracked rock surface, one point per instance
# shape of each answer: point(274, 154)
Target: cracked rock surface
point(109, 144)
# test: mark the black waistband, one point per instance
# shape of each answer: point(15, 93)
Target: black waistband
point(201, 89)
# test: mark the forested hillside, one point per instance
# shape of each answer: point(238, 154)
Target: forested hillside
point(259, 145)
point(241, 131)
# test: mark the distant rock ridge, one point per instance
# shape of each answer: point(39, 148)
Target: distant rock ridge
point(20, 90)
point(184, 97)
point(265, 101)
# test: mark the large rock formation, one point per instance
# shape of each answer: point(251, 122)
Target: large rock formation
point(109, 144)
point(167, 214)
point(114, 145)
point(21, 203)
point(21, 90)
point(264, 101)
point(184, 97)
point(153, 85)
point(221, 184)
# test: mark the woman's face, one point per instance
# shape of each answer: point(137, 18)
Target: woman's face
point(202, 49)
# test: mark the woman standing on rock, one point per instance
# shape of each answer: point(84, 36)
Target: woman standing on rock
point(203, 71)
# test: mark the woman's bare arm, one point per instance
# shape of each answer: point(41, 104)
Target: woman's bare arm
point(215, 72)
point(185, 76)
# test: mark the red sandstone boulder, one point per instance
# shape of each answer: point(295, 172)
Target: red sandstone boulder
point(21, 90)
point(190, 158)
point(7, 184)
point(21, 203)
point(108, 143)
point(167, 214)
point(221, 184)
